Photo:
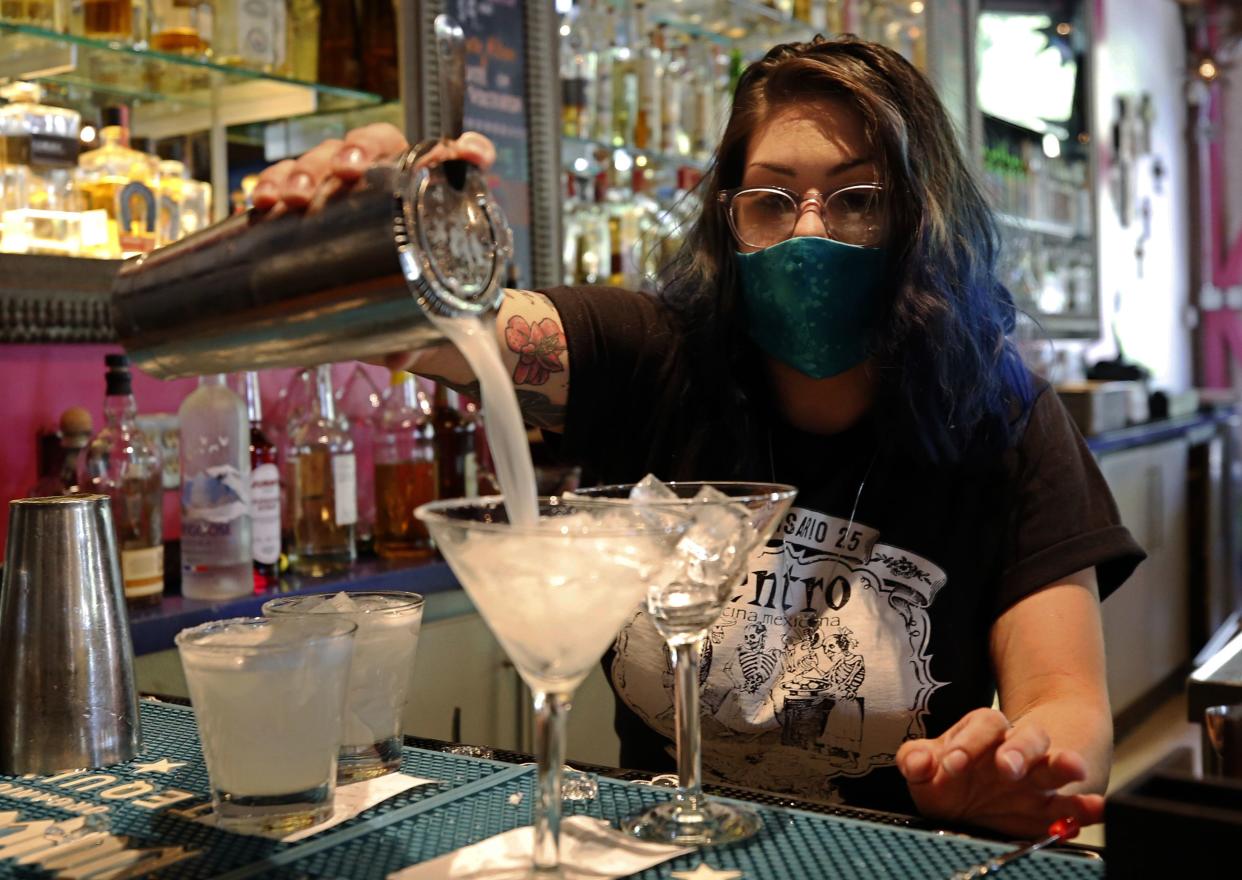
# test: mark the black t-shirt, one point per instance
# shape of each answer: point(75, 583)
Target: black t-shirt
point(865, 621)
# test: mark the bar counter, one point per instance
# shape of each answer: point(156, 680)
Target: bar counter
point(153, 629)
point(154, 801)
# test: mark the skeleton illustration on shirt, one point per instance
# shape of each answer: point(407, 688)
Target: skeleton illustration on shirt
point(819, 665)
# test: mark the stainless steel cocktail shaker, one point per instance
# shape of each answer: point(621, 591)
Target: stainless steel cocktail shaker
point(67, 697)
point(356, 279)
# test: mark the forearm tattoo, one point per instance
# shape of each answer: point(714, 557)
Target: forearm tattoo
point(538, 410)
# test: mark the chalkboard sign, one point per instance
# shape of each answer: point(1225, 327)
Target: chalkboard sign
point(496, 106)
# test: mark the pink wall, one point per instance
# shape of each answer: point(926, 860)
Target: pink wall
point(41, 382)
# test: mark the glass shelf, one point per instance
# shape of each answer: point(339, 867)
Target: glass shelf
point(169, 94)
point(1043, 227)
point(751, 27)
point(586, 157)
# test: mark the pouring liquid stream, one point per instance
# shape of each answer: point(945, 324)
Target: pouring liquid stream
point(475, 338)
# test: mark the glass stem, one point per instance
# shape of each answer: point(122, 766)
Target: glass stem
point(551, 713)
point(689, 745)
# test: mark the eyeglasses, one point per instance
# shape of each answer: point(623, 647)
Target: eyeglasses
point(761, 216)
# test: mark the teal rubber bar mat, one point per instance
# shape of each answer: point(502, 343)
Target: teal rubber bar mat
point(793, 844)
point(146, 799)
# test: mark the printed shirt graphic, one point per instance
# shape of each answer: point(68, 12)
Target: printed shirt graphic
point(818, 668)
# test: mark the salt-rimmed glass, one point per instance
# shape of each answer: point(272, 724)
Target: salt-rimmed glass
point(554, 595)
point(269, 697)
point(379, 683)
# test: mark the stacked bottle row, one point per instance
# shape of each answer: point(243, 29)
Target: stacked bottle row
point(626, 83)
point(309, 488)
point(658, 77)
point(111, 201)
point(305, 39)
point(1025, 179)
point(622, 226)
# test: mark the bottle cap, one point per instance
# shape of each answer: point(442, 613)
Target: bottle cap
point(75, 421)
point(114, 116)
point(117, 378)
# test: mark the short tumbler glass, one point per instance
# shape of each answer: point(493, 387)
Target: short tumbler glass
point(384, 647)
point(269, 697)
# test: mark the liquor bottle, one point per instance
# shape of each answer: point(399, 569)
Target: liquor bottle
point(457, 468)
point(624, 86)
point(339, 61)
point(108, 19)
point(181, 27)
point(673, 137)
point(170, 193)
point(249, 33)
point(122, 463)
point(650, 80)
point(360, 403)
point(606, 48)
point(381, 74)
point(405, 470)
point(573, 87)
point(264, 492)
point(482, 480)
point(75, 434)
point(58, 472)
point(47, 14)
point(120, 180)
point(215, 493)
point(302, 39)
point(569, 222)
point(579, 66)
point(705, 102)
point(321, 482)
point(291, 407)
point(38, 151)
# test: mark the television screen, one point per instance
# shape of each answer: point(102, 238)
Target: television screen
point(1027, 72)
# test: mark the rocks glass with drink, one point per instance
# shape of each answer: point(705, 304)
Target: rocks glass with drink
point(269, 696)
point(388, 625)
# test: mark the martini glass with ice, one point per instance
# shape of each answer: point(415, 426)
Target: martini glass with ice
point(555, 594)
point(728, 521)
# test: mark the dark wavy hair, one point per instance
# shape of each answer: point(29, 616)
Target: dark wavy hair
point(951, 383)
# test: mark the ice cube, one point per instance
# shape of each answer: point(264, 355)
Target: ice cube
point(238, 635)
point(649, 488)
point(715, 543)
point(338, 604)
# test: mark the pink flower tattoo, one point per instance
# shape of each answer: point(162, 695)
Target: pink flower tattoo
point(539, 348)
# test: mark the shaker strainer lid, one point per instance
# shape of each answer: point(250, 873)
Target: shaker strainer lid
point(453, 241)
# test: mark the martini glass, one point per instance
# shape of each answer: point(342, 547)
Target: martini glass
point(554, 595)
point(712, 555)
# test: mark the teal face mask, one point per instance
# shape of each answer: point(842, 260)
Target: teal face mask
point(813, 303)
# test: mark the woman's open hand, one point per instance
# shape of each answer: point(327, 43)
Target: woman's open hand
point(335, 164)
point(984, 771)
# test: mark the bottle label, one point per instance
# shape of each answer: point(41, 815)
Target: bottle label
point(53, 150)
point(143, 571)
point(217, 495)
point(214, 529)
point(261, 31)
point(345, 489)
point(265, 513)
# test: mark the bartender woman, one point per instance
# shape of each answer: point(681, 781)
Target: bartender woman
point(927, 635)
